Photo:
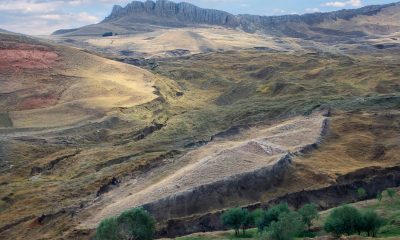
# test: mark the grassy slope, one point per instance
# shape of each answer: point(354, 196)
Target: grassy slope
point(220, 90)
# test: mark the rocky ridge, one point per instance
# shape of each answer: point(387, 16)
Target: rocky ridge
point(184, 12)
point(171, 14)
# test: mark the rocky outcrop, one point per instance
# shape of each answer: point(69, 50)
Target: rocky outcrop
point(183, 12)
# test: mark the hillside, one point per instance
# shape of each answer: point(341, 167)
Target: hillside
point(91, 165)
point(216, 116)
point(67, 84)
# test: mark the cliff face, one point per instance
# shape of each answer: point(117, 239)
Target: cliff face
point(182, 12)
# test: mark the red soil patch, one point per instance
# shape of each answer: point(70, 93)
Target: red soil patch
point(25, 56)
point(38, 102)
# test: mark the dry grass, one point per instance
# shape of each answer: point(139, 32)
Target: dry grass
point(80, 87)
point(356, 141)
point(220, 90)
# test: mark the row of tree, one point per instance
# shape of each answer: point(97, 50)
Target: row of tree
point(348, 220)
point(279, 222)
point(276, 223)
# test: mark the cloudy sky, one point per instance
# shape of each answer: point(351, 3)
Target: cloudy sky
point(38, 17)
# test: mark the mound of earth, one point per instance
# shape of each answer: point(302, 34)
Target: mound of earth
point(220, 160)
point(41, 84)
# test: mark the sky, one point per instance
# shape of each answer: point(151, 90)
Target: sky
point(42, 17)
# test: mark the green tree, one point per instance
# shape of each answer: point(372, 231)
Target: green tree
point(248, 220)
point(287, 227)
point(108, 230)
point(136, 224)
point(257, 215)
point(379, 196)
point(391, 193)
point(309, 212)
point(361, 193)
point(343, 220)
point(271, 215)
point(234, 218)
point(371, 223)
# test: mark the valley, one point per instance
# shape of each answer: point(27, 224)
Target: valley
point(188, 117)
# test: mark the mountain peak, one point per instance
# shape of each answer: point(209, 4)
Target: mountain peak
point(160, 10)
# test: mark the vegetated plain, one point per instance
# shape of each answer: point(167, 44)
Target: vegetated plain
point(76, 137)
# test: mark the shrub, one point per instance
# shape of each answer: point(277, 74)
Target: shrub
point(133, 224)
point(309, 212)
point(234, 218)
point(136, 224)
point(371, 223)
point(248, 220)
point(379, 196)
point(287, 227)
point(343, 220)
point(391, 193)
point(271, 215)
point(257, 215)
point(361, 193)
point(108, 230)
point(107, 34)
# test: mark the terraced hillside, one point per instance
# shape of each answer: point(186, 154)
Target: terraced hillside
point(83, 137)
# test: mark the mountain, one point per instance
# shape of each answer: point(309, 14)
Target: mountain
point(5, 31)
point(169, 13)
point(140, 16)
point(149, 29)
